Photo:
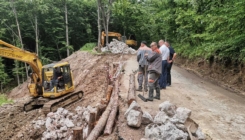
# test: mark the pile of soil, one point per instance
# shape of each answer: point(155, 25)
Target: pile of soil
point(89, 76)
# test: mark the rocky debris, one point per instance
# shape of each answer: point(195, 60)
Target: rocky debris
point(182, 114)
point(135, 106)
point(166, 131)
point(146, 118)
point(161, 117)
point(60, 123)
point(134, 118)
point(117, 47)
point(168, 108)
point(134, 115)
point(172, 124)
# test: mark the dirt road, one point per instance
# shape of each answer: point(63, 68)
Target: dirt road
point(220, 113)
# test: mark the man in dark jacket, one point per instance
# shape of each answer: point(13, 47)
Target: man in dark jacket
point(155, 69)
point(172, 56)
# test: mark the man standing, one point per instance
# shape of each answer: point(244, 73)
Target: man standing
point(143, 65)
point(172, 56)
point(155, 69)
point(165, 58)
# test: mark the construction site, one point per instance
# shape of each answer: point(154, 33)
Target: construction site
point(193, 108)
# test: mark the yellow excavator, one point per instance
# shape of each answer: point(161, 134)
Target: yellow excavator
point(51, 85)
point(131, 41)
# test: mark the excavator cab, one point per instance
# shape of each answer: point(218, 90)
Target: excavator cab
point(52, 85)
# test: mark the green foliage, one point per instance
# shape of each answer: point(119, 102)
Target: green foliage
point(4, 100)
point(4, 78)
point(88, 47)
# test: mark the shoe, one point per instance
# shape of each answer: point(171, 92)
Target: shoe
point(139, 89)
point(163, 88)
point(149, 99)
point(146, 90)
point(158, 98)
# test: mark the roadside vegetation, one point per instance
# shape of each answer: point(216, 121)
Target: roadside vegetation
point(4, 99)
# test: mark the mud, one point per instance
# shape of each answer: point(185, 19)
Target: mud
point(89, 75)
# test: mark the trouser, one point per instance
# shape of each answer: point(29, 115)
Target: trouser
point(53, 83)
point(142, 76)
point(154, 84)
point(169, 73)
point(163, 77)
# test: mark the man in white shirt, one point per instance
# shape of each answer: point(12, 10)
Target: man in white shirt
point(165, 58)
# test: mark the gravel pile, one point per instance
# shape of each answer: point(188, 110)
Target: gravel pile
point(117, 47)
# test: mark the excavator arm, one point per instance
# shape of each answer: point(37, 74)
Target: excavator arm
point(13, 52)
point(103, 35)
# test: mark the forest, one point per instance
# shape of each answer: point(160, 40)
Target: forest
point(56, 28)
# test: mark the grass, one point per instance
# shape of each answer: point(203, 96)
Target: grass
point(4, 100)
point(88, 47)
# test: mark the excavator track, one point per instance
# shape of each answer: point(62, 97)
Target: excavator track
point(53, 105)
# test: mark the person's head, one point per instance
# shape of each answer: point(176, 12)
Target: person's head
point(161, 42)
point(167, 44)
point(143, 43)
point(154, 46)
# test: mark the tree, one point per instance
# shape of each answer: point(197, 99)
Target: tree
point(4, 78)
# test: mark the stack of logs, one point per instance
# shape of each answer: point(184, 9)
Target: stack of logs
point(108, 108)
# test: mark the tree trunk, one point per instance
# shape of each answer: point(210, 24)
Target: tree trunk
point(99, 25)
point(131, 91)
point(36, 34)
point(109, 92)
point(102, 121)
point(112, 116)
point(19, 32)
point(77, 133)
point(1, 87)
point(100, 109)
point(92, 120)
point(67, 31)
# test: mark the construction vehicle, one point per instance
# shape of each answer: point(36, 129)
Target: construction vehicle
point(131, 41)
point(42, 78)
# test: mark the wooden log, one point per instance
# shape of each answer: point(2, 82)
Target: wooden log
point(78, 133)
point(131, 91)
point(100, 125)
point(104, 101)
point(91, 122)
point(100, 109)
point(112, 116)
point(109, 92)
point(102, 122)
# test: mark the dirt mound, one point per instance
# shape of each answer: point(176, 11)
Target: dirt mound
point(89, 75)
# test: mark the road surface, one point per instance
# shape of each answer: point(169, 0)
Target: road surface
point(219, 113)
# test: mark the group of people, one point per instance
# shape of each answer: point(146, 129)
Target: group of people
point(155, 65)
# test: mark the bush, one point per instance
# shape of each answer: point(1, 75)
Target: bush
point(4, 99)
point(88, 47)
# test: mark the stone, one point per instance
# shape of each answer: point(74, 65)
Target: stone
point(182, 114)
point(48, 122)
point(63, 129)
point(166, 131)
point(116, 47)
point(134, 118)
point(133, 106)
point(69, 123)
point(50, 114)
point(59, 110)
point(168, 108)
point(200, 135)
point(161, 117)
point(146, 118)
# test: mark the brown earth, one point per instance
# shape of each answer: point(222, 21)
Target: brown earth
point(218, 112)
point(89, 75)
